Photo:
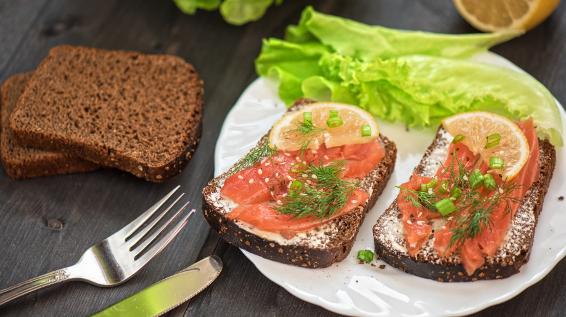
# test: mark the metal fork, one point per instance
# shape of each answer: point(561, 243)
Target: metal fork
point(117, 258)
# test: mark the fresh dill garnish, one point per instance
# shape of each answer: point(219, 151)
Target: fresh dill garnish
point(321, 194)
point(255, 155)
point(478, 209)
point(306, 127)
point(419, 198)
point(475, 203)
point(305, 131)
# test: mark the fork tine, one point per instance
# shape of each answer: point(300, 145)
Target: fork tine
point(139, 221)
point(161, 244)
point(135, 238)
point(152, 237)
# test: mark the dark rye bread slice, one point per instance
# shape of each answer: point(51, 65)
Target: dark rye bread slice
point(317, 248)
point(24, 162)
point(390, 244)
point(135, 112)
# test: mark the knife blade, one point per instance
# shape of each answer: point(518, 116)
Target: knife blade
point(168, 293)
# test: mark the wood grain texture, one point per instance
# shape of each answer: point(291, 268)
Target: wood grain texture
point(91, 206)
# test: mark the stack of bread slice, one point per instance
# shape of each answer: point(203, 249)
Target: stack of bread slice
point(83, 108)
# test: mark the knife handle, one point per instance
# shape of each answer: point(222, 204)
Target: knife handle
point(34, 284)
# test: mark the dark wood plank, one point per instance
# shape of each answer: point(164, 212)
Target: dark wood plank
point(16, 18)
point(92, 206)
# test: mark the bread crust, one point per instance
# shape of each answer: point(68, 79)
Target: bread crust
point(338, 245)
point(38, 131)
point(501, 265)
point(21, 162)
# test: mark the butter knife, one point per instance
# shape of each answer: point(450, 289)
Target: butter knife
point(168, 293)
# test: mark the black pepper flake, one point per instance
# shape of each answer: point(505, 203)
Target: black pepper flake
point(560, 198)
point(382, 266)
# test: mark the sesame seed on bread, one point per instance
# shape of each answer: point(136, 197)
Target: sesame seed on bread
point(135, 112)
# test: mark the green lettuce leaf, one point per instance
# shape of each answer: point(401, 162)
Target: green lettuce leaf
point(417, 78)
point(290, 64)
point(367, 42)
point(239, 12)
point(422, 90)
point(236, 12)
point(191, 6)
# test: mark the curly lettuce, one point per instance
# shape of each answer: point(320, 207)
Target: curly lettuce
point(416, 78)
point(235, 12)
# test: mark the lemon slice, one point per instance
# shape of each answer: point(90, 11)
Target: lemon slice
point(475, 127)
point(498, 15)
point(315, 124)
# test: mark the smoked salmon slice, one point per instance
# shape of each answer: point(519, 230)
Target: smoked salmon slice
point(265, 217)
point(258, 189)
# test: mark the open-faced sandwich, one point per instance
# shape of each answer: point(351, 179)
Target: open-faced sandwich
point(470, 209)
point(300, 196)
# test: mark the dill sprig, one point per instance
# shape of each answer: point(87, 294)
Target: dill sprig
point(307, 127)
point(475, 206)
point(418, 198)
point(321, 194)
point(305, 131)
point(478, 210)
point(255, 155)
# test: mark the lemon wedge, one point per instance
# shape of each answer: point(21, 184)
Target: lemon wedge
point(481, 129)
point(332, 124)
point(499, 15)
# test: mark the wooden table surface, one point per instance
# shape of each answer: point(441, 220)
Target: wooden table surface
point(91, 206)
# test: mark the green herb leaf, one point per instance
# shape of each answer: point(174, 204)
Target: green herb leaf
point(366, 130)
point(445, 206)
point(458, 138)
point(334, 122)
point(492, 140)
point(307, 116)
point(365, 256)
point(495, 162)
point(322, 193)
point(254, 156)
point(489, 182)
point(476, 178)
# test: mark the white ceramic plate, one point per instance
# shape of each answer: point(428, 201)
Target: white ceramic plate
point(353, 289)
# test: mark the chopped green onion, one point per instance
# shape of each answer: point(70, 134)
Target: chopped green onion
point(334, 122)
point(458, 138)
point(489, 182)
point(365, 256)
point(443, 188)
point(495, 162)
point(296, 186)
point(333, 113)
point(425, 187)
point(307, 117)
point(456, 193)
point(476, 178)
point(445, 206)
point(492, 140)
point(366, 130)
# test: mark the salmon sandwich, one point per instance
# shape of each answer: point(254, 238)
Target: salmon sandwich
point(470, 208)
point(300, 196)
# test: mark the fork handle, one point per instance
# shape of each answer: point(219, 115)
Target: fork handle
point(34, 284)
